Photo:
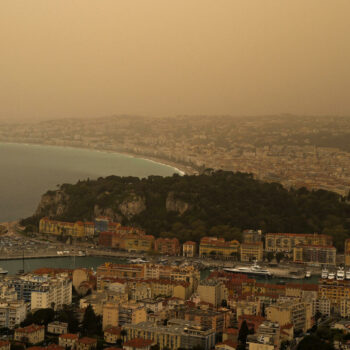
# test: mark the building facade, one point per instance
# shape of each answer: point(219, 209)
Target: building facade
point(167, 246)
point(294, 312)
point(32, 334)
point(252, 251)
point(12, 313)
point(315, 254)
point(285, 242)
point(189, 249)
point(177, 334)
point(211, 247)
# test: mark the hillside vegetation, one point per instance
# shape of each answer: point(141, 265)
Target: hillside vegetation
point(189, 207)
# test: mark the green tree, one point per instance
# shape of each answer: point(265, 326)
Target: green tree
point(312, 342)
point(91, 324)
point(269, 256)
point(243, 333)
point(279, 256)
point(68, 315)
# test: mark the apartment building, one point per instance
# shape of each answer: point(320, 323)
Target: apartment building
point(57, 327)
point(285, 242)
point(167, 246)
point(138, 243)
point(298, 313)
point(252, 251)
point(132, 313)
point(252, 236)
point(218, 247)
point(12, 313)
point(207, 318)
point(68, 340)
point(112, 334)
point(55, 292)
point(119, 271)
point(315, 254)
point(176, 334)
point(344, 308)
point(86, 343)
point(24, 285)
point(272, 330)
point(335, 291)
point(212, 291)
point(7, 293)
point(189, 249)
point(323, 306)
point(110, 315)
point(187, 274)
point(42, 291)
point(73, 229)
point(32, 334)
point(97, 300)
point(260, 342)
point(5, 345)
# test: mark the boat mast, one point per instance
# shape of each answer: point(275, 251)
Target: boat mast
point(23, 260)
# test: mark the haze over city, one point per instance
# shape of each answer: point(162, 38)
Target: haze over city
point(79, 58)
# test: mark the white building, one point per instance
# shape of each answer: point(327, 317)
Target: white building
point(345, 308)
point(323, 306)
point(12, 313)
point(55, 292)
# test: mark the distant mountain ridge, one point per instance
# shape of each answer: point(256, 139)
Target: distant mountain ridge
point(219, 203)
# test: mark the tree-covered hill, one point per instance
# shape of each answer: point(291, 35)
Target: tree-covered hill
point(190, 207)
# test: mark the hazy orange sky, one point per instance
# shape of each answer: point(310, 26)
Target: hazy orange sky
point(77, 58)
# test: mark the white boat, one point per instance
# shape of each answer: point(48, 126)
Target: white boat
point(254, 270)
point(340, 274)
point(347, 275)
point(307, 274)
point(324, 273)
point(3, 272)
point(331, 276)
point(137, 261)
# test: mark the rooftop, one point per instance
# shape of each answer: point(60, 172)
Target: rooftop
point(138, 343)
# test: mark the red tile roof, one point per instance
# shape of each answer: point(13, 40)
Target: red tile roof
point(113, 330)
point(138, 343)
point(55, 347)
point(69, 336)
point(87, 341)
point(29, 329)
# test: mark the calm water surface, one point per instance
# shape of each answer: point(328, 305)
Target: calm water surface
point(28, 171)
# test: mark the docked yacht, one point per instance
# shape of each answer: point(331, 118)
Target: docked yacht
point(307, 274)
point(3, 272)
point(138, 261)
point(340, 274)
point(331, 276)
point(254, 270)
point(324, 273)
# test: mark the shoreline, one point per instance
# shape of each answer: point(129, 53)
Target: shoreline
point(179, 168)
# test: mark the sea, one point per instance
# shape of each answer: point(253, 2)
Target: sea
point(28, 171)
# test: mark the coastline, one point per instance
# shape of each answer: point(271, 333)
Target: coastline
point(178, 167)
